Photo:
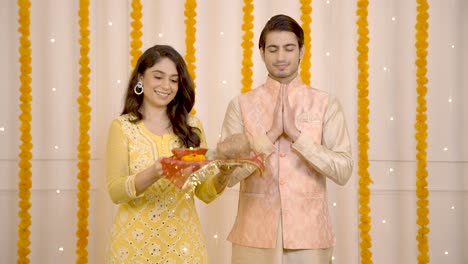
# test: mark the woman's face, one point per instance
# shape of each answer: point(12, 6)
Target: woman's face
point(160, 83)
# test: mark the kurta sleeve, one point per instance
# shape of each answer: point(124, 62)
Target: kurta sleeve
point(120, 184)
point(206, 190)
point(333, 158)
point(233, 124)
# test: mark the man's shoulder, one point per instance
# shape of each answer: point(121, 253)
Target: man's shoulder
point(314, 91)
point(254, 92)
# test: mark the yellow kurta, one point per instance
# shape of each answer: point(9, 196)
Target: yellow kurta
point(161, 225)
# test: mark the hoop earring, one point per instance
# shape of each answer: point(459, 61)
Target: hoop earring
point(138, 88)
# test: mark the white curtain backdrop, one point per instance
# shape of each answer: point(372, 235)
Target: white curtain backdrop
point(55, 54)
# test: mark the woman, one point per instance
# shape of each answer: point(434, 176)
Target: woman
point(155, 222)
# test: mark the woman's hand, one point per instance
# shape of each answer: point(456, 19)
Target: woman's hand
point(221, 179)
point(147, 177)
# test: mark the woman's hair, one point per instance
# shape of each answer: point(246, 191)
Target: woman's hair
point(179, 108)
point(281, 23)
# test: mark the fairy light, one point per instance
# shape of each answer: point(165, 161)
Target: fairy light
point(109, 23)
point(224, 82)
point(58, 191)
point(160, 35)
point(52, 40)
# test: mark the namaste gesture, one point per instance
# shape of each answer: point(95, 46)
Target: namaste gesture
point(283, 118)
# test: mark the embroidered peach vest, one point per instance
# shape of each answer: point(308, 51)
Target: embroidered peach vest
point(289, 188)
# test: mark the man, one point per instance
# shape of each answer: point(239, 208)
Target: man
point(283, 213)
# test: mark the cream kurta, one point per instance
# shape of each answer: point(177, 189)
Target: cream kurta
point(161, 225)
point(293, 187)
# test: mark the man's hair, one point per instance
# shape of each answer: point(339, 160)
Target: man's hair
point(281, 23)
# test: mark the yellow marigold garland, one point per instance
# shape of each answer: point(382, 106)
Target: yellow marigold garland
point(421, 131)
point(190, 38)
point(83, 145)
point(136, 43)
point(247, 45)
point(306, 18)
point(363, 131)
point(25, 155)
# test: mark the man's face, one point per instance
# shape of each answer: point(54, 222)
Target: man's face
point(281, 55)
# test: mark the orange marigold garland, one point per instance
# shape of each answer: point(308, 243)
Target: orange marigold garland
point(421, 131)
point(83, 145)
point(25, 155)
point(136, 43)
point(247, 45)
point(363, 131)
point(190, 37)
point(306, 18)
